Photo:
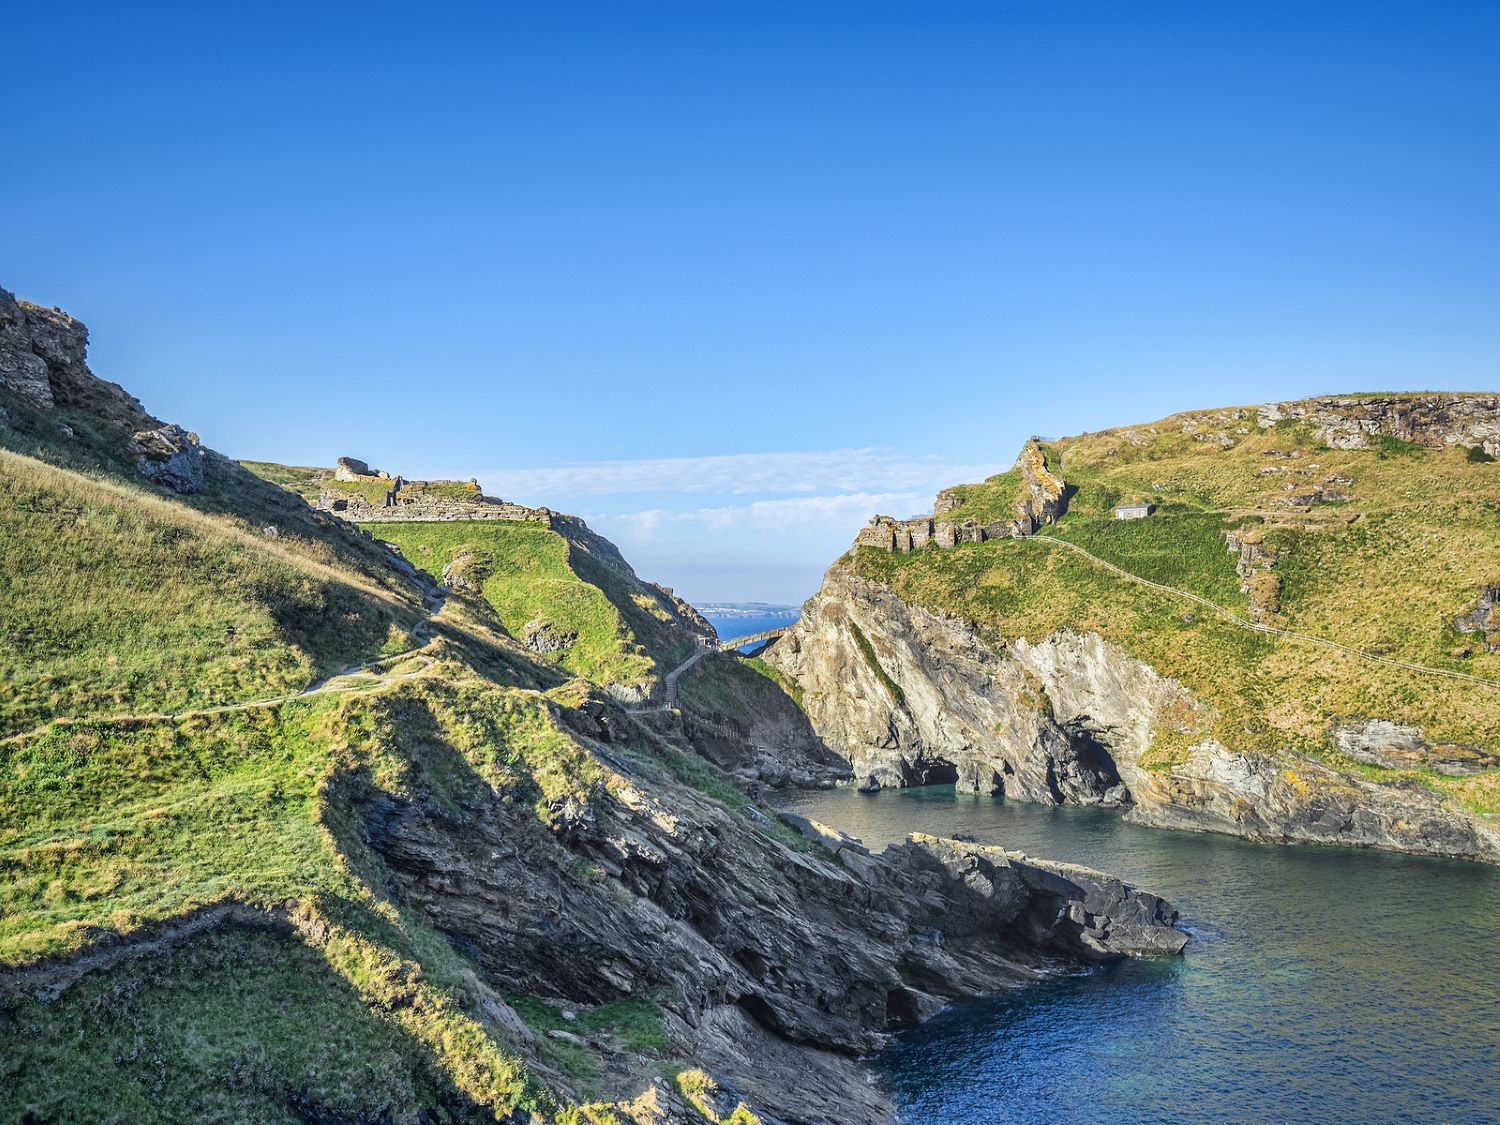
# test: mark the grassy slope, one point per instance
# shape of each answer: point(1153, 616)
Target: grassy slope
point(119, 600)
point(113, 827)
point(1385, 571)
point(531, 573)
point(305, 480)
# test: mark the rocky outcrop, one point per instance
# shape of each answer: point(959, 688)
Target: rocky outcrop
point(169, 456)
point(779, 962)
point(43, 364)
point(1484, 618)
point(749, 726)
point(912, 697)
point(1293, 799)
point(1436, 420)
point(544, 637)
point(1392, 746)
point(1042, 492)
point(1253, 562)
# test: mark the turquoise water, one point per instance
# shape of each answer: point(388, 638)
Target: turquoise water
point(1321, 984)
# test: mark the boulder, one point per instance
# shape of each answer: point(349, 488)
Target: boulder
point(169, 456)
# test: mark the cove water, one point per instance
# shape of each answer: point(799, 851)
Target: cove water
point(1320, 985)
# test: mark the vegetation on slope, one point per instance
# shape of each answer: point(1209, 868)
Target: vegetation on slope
point(305, 480)
point(619, 629)
point(525, 571)
point(117, 600)
point(1378, 549)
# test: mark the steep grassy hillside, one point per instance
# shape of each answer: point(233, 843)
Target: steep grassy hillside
point(557, 592)
point(1381, 549)
point(306, 481)
point(119, 601)
point(455, 882)
point(312, 990)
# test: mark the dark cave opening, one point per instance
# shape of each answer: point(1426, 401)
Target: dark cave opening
point(1091, 755)
point(936, 773)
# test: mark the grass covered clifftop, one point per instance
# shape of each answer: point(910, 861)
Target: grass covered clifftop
point(1387, 549)
point(565, 594)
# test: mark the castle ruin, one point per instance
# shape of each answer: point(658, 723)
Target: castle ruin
point(361, 494)
point(1040, 499)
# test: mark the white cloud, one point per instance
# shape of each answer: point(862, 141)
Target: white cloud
point(844, 511)
point(838, 470)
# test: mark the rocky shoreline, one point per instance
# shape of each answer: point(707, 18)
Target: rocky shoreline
point(1067, 719)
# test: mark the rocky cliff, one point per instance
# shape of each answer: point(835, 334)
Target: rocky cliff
point(373, 857)
point(914, 697)
point(1142, 664)
point(42, 364)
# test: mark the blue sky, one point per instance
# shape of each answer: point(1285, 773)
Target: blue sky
point(728, 278)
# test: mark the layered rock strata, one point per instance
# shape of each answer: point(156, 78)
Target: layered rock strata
point(912, 697)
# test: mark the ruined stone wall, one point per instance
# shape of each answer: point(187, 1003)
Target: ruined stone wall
point(890, 534)
point(423, 509)
point(1040, 502)
point(382, 497)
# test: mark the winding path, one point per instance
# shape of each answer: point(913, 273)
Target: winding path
point(1245, 623)
point(669, 696)
point(355, 678)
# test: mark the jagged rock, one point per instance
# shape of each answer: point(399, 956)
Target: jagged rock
point(544, 637)
point(1379, 742)
point(170, 456)
point(1042, 492)
point(1434, 420)
point(1484, 617)
point(1293, 798)
point(352, 469)
point(782, 963)
point(29, 336)
point(466, 573)
point(1068, 719)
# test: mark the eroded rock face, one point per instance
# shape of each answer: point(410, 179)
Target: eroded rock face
point(1069, 719)
point(1379, 742)
point(925, 699)
point(1295, 799)
point(1484, 618)
point(42, 363)
point(544, 637)
point(781, 963)
point(170, 456)
point(1041, 499)
point(1433, 420)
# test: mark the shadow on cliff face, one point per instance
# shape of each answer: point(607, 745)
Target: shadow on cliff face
point(244, 1015)
point(1091, 767)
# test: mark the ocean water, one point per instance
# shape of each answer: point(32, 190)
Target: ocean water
point(743, 623)
point(1320, 985)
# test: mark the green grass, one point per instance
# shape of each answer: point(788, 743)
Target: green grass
point(788, 685)
point(635, 1022)
point(867, 650)
point(238, 1026)
point(526, 573)
point(1387, 447)
point(990, 501)
point(1176, 547)
point(115, 600)
point(1387, 571)
point(116, 827)
point(306, 481)
point(373, 489)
